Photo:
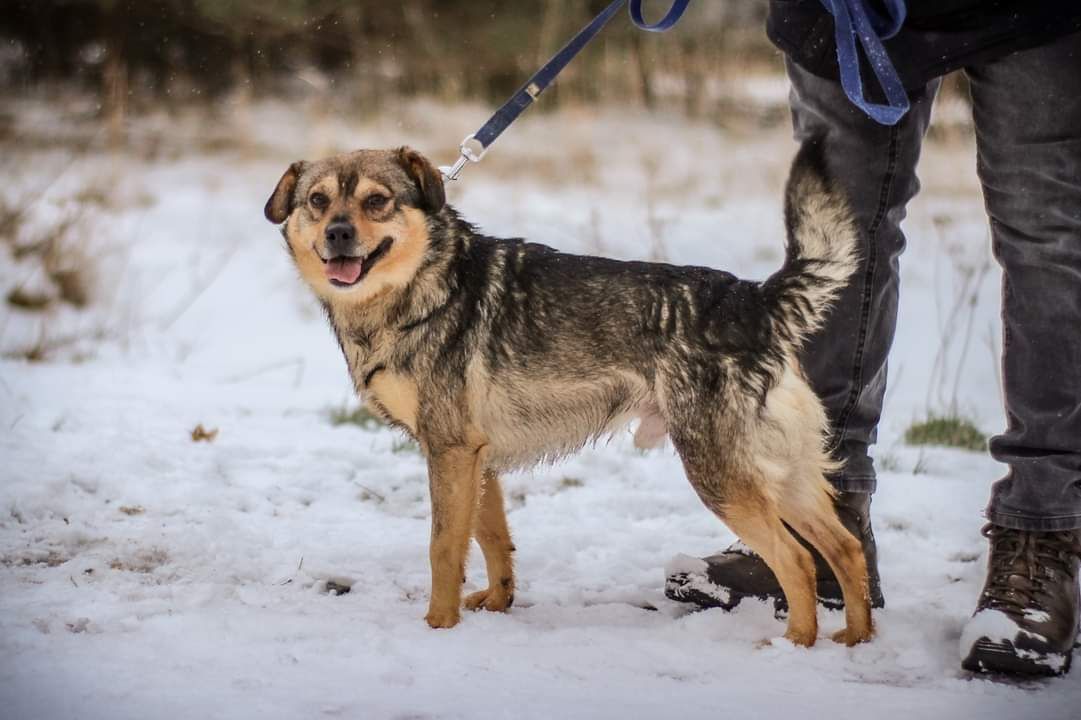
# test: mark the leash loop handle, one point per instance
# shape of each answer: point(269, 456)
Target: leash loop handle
point(856, 19)
point(675, 12)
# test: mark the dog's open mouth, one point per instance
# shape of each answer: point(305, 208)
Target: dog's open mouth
point(347, 270)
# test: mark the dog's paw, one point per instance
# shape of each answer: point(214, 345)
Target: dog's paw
point(493, 599)
point(442, 618)
point(851, 637)
point(802, 638)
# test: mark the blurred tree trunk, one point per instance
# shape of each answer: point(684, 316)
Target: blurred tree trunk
point(243, 89)
point(645, 77)
point(114, 73)
point(549, 30)
point(546, 40)
point(694, 84)
point(448, 80)
point(242, 72)
point(367, 83)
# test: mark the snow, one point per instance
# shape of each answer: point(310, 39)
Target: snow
point(1054, 661)
point(695, 579)
point(994, 625)
point(146, 575)
point(1037, 616)
point(681, 563)
point(998, 627)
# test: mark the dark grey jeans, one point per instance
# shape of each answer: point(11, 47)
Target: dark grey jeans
point(1027, 113)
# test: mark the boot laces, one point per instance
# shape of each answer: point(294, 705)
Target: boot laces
point(1023, 564)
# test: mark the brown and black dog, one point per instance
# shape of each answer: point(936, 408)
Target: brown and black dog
point(498, 354)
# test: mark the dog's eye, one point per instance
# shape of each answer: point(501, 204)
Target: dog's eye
point(319, 201)
point(376, 201)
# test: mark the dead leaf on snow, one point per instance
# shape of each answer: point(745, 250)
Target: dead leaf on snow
point(201, 434)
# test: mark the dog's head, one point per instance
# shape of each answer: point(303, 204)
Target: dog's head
point(357, 224)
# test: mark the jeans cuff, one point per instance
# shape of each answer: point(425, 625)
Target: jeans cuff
point(1033, 524)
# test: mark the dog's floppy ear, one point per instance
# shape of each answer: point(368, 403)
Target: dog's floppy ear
point(281, 202)
point(427, 178)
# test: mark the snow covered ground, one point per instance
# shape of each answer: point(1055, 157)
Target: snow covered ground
point(146, 575)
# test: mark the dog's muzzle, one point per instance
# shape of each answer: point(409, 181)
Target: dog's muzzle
point(346, 270)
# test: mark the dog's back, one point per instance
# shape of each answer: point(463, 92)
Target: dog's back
point(560, 349)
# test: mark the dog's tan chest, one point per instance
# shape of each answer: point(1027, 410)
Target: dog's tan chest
point(396, 396)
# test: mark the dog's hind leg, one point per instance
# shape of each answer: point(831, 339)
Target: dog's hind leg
point(756, 521)
point(789, 452)
point(454, 479)
point(735, 496)
point(813, 517)
point(493, 536)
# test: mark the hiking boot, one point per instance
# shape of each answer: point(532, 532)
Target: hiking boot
point(1026, 619)
point(723, 580)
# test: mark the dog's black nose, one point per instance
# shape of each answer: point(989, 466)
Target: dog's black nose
point(341, 238)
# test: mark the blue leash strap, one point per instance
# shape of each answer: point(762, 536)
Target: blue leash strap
point(475, 145)
point(854, 19)
point(670, 18)
point(541, 79)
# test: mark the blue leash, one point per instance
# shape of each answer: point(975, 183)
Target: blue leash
point(475, 145)
point(854, 19)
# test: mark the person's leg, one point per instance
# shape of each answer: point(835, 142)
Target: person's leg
point(875, 166)
point(1027, 110)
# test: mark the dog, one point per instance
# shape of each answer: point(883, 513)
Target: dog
point(499, 354)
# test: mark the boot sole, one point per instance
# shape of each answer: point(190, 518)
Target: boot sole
point(988, 656)
point(675, 588)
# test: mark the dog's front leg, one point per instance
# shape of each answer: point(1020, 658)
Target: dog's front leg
point(453, 477)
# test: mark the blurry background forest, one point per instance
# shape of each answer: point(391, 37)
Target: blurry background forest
point(139, 54)
point(96, 94)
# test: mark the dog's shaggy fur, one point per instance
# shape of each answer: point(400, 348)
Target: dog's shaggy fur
point(498, 354)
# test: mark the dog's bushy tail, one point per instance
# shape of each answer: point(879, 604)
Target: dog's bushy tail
point(820, 252)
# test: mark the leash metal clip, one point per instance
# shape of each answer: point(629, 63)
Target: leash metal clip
point(471, 151)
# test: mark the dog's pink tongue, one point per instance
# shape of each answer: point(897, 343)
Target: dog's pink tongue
point(344, 270)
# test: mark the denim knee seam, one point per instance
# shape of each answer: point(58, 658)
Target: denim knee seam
point(841, 428)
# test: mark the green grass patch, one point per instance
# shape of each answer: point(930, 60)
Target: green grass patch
point(365, 419)
point(951, 431)
point(360, 416)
